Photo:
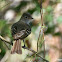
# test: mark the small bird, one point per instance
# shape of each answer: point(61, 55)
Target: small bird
point(20, 30)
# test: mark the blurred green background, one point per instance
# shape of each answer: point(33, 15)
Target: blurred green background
point(12, 10)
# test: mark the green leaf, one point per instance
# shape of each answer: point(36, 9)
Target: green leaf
point(49, 9)
point(6, 31)
point(2, 24)
point(48, 17)
point(59, 19)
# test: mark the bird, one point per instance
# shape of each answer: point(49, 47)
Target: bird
point(20, 30)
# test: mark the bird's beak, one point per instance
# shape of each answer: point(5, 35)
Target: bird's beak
point(32, 19)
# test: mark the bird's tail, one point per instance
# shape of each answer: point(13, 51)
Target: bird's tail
point(16, 47)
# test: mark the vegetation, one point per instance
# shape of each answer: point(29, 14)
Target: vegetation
point(50, 32)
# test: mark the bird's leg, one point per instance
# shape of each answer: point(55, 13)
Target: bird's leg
point(24, 44)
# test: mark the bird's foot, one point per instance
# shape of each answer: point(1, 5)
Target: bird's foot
point(23, 46)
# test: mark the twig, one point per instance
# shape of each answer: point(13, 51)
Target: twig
point(4, 40)
point(7, 46)
point(38, 39)
point(41, 12)
point(36, 54)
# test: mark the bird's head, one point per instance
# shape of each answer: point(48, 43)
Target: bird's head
point(27, 18)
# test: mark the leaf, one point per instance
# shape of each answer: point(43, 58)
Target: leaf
point(49, 9)
point(6, 31)
point(2, 24)
point(59, 19)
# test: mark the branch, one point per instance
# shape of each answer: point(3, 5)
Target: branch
point(4, 40)
point(6, 46)
point(36, 53)
point(41, 12)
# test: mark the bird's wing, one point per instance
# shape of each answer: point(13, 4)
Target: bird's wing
point(19, 34)
point(14, 29)
point(20, 30)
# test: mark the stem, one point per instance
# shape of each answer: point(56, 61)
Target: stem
point(36, 54)
point(41, 12)
point(38, 39)
point(4, 40)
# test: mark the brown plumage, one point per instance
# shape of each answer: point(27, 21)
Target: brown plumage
point(16, 47)
point(20, 30)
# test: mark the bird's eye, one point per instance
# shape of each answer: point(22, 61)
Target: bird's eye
point(26, 17)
